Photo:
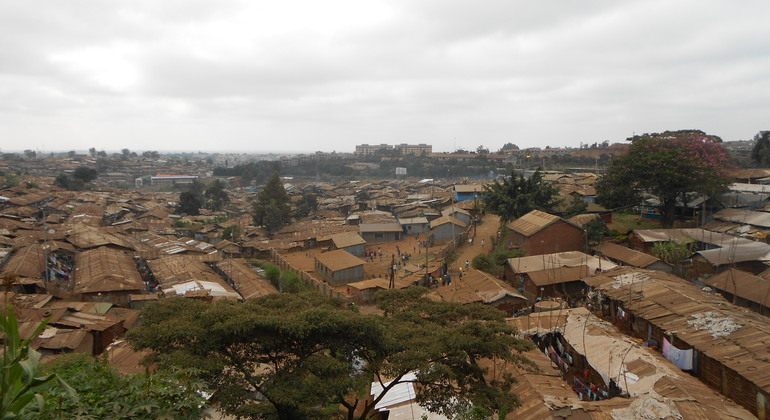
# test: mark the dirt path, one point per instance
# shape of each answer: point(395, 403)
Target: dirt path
point(482, 242)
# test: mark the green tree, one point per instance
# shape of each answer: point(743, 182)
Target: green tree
point(231, 233)
point(272, 210)
point(668, 165)
point(105, 394)
point(508, 147)
point(84, 174)
point(189, 203)
point(673, 252)
point(306, 205)
point(92, 151)
point(760, 154)
point(216, 196)
point(516, 196)
point(596, 230)
point(576, 206)
point(310, 356)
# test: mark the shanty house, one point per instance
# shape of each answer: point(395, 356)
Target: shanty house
point(552, 275)
point(107, 274)
point(742, 289)
point(351, 242)
point(626, 256)
point(339, 267)
point(446, 228)
point(414, 225)
point(380, 232)
point(539, 233)
point(478, 287)
point(458, 213)
point(723, 345)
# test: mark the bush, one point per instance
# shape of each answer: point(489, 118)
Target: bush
point(492, 262)
point(290, 282)
point(272, 273)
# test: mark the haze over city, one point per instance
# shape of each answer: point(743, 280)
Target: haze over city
point(298, 76)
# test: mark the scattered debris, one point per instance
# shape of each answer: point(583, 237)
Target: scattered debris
point(648, 407)
point(716, 324)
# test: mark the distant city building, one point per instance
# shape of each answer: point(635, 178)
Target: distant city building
point(169, 179)
point(414, 149)
point(368, 150)
point(403, 148)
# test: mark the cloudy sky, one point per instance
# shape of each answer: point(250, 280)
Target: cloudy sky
point(307, 75)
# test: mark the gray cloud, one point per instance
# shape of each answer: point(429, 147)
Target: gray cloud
point(304, 76)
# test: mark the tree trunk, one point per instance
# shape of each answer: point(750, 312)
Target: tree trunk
point(667, 212)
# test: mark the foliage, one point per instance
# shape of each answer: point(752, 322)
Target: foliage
point(231, 233)
point(291, 283)
point(576, 206)
point(673, 252)
point(79, 179)
point(306, 205)
point(760, 154)
point(19, 380)
point(189, 203)
point(310, 356)
point(215, 196)
point(272, 209)
point(84, 174)
point(272, 273)
point(596, 230)
point(9, 180)
point(668, 165)
point(104, 394)
point(493, 262)
point(516, 196)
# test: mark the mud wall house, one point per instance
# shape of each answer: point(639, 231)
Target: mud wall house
point(723, 345)
point(339, 267)
point(380, 232)
point(539, 233)
point(742, 289)
point(106, 274)
point(446, 228)
point(622, 255)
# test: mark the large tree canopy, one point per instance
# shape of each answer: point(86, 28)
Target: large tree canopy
point(516, 196)
point(309, 356)
point(668, 165)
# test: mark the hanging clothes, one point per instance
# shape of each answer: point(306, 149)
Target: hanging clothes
point(681, 358)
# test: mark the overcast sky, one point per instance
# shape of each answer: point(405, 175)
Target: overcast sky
point(302, 76)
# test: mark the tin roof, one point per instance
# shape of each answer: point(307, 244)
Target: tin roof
point(626, 255)
point(339, 259)
point(675, 306)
